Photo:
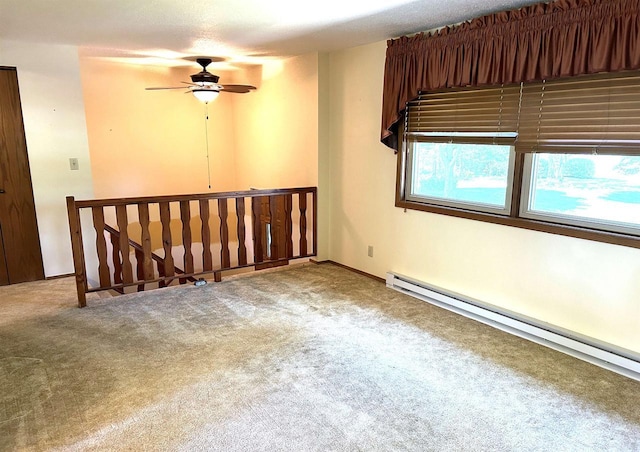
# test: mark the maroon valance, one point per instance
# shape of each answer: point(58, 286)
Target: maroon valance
point(543, 41)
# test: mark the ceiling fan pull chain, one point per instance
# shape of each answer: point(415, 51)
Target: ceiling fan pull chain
point(206, 135)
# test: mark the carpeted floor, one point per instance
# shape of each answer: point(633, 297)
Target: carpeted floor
point(307, 358)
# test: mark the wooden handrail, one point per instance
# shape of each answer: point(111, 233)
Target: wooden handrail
point(272, 213)
point(194, 197)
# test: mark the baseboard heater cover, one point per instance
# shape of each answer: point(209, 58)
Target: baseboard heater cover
point(601, 354)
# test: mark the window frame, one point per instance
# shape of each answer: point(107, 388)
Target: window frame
point(574, 220)
point(514, 219)
point(468, 205)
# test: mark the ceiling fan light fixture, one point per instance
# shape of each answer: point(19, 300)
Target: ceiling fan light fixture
point(205, 95)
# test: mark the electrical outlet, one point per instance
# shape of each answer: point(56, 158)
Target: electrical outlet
point(370, 251)
point(73, 164)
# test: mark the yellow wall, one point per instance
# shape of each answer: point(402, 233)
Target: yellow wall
point(588, 287)
point(324, 156)
point(277, 126)
point(54, 122)
point(153, 142)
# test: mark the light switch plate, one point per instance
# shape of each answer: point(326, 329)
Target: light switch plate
point(73, 164)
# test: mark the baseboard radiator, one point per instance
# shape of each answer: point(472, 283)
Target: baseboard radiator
point(599, 353)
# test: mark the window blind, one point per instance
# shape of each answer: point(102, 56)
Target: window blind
point(597, 113)
point(587, 114)
point(472, 115)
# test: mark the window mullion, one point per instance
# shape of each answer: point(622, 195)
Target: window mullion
point(516, 191)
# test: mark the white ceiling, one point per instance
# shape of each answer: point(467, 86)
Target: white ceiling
point(240, 30)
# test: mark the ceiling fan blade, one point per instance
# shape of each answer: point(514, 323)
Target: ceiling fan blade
point(166, 87)
point(237, 88)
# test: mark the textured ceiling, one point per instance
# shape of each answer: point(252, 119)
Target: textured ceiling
point(241, 30)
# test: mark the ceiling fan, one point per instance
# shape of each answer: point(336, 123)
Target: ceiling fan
point(204, 85)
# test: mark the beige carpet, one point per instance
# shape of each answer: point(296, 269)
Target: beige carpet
point(308, 358)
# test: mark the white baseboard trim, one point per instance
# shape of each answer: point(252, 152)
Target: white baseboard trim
point(599, 353)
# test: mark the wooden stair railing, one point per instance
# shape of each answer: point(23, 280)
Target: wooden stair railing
point(142, 266)
point(272, 218)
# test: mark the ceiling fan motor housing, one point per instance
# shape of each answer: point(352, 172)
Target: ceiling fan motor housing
point(205, 77)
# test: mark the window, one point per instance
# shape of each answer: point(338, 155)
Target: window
point(462, 175)
point(558, 156)
point(583, 190)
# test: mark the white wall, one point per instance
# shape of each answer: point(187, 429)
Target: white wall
point(588, 287)
point(54, 121)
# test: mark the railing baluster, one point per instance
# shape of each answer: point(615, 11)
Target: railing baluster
point(256, 214)
point(140, 268)
point(101, 246)
point(123, 223)
point(223, 213)
point(185, 216)
point(273, 221)
point(165, 220)
point(302, 205)
point(242, 249)
point(115, 254)
point(315, 221)
point(207, 259)
point(288, 225)
point(145, 239)
point(280, 232)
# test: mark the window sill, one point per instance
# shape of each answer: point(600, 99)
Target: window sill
point(524, 223)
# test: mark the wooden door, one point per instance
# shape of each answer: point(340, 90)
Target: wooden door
point(4, 274)
point(18, 226)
